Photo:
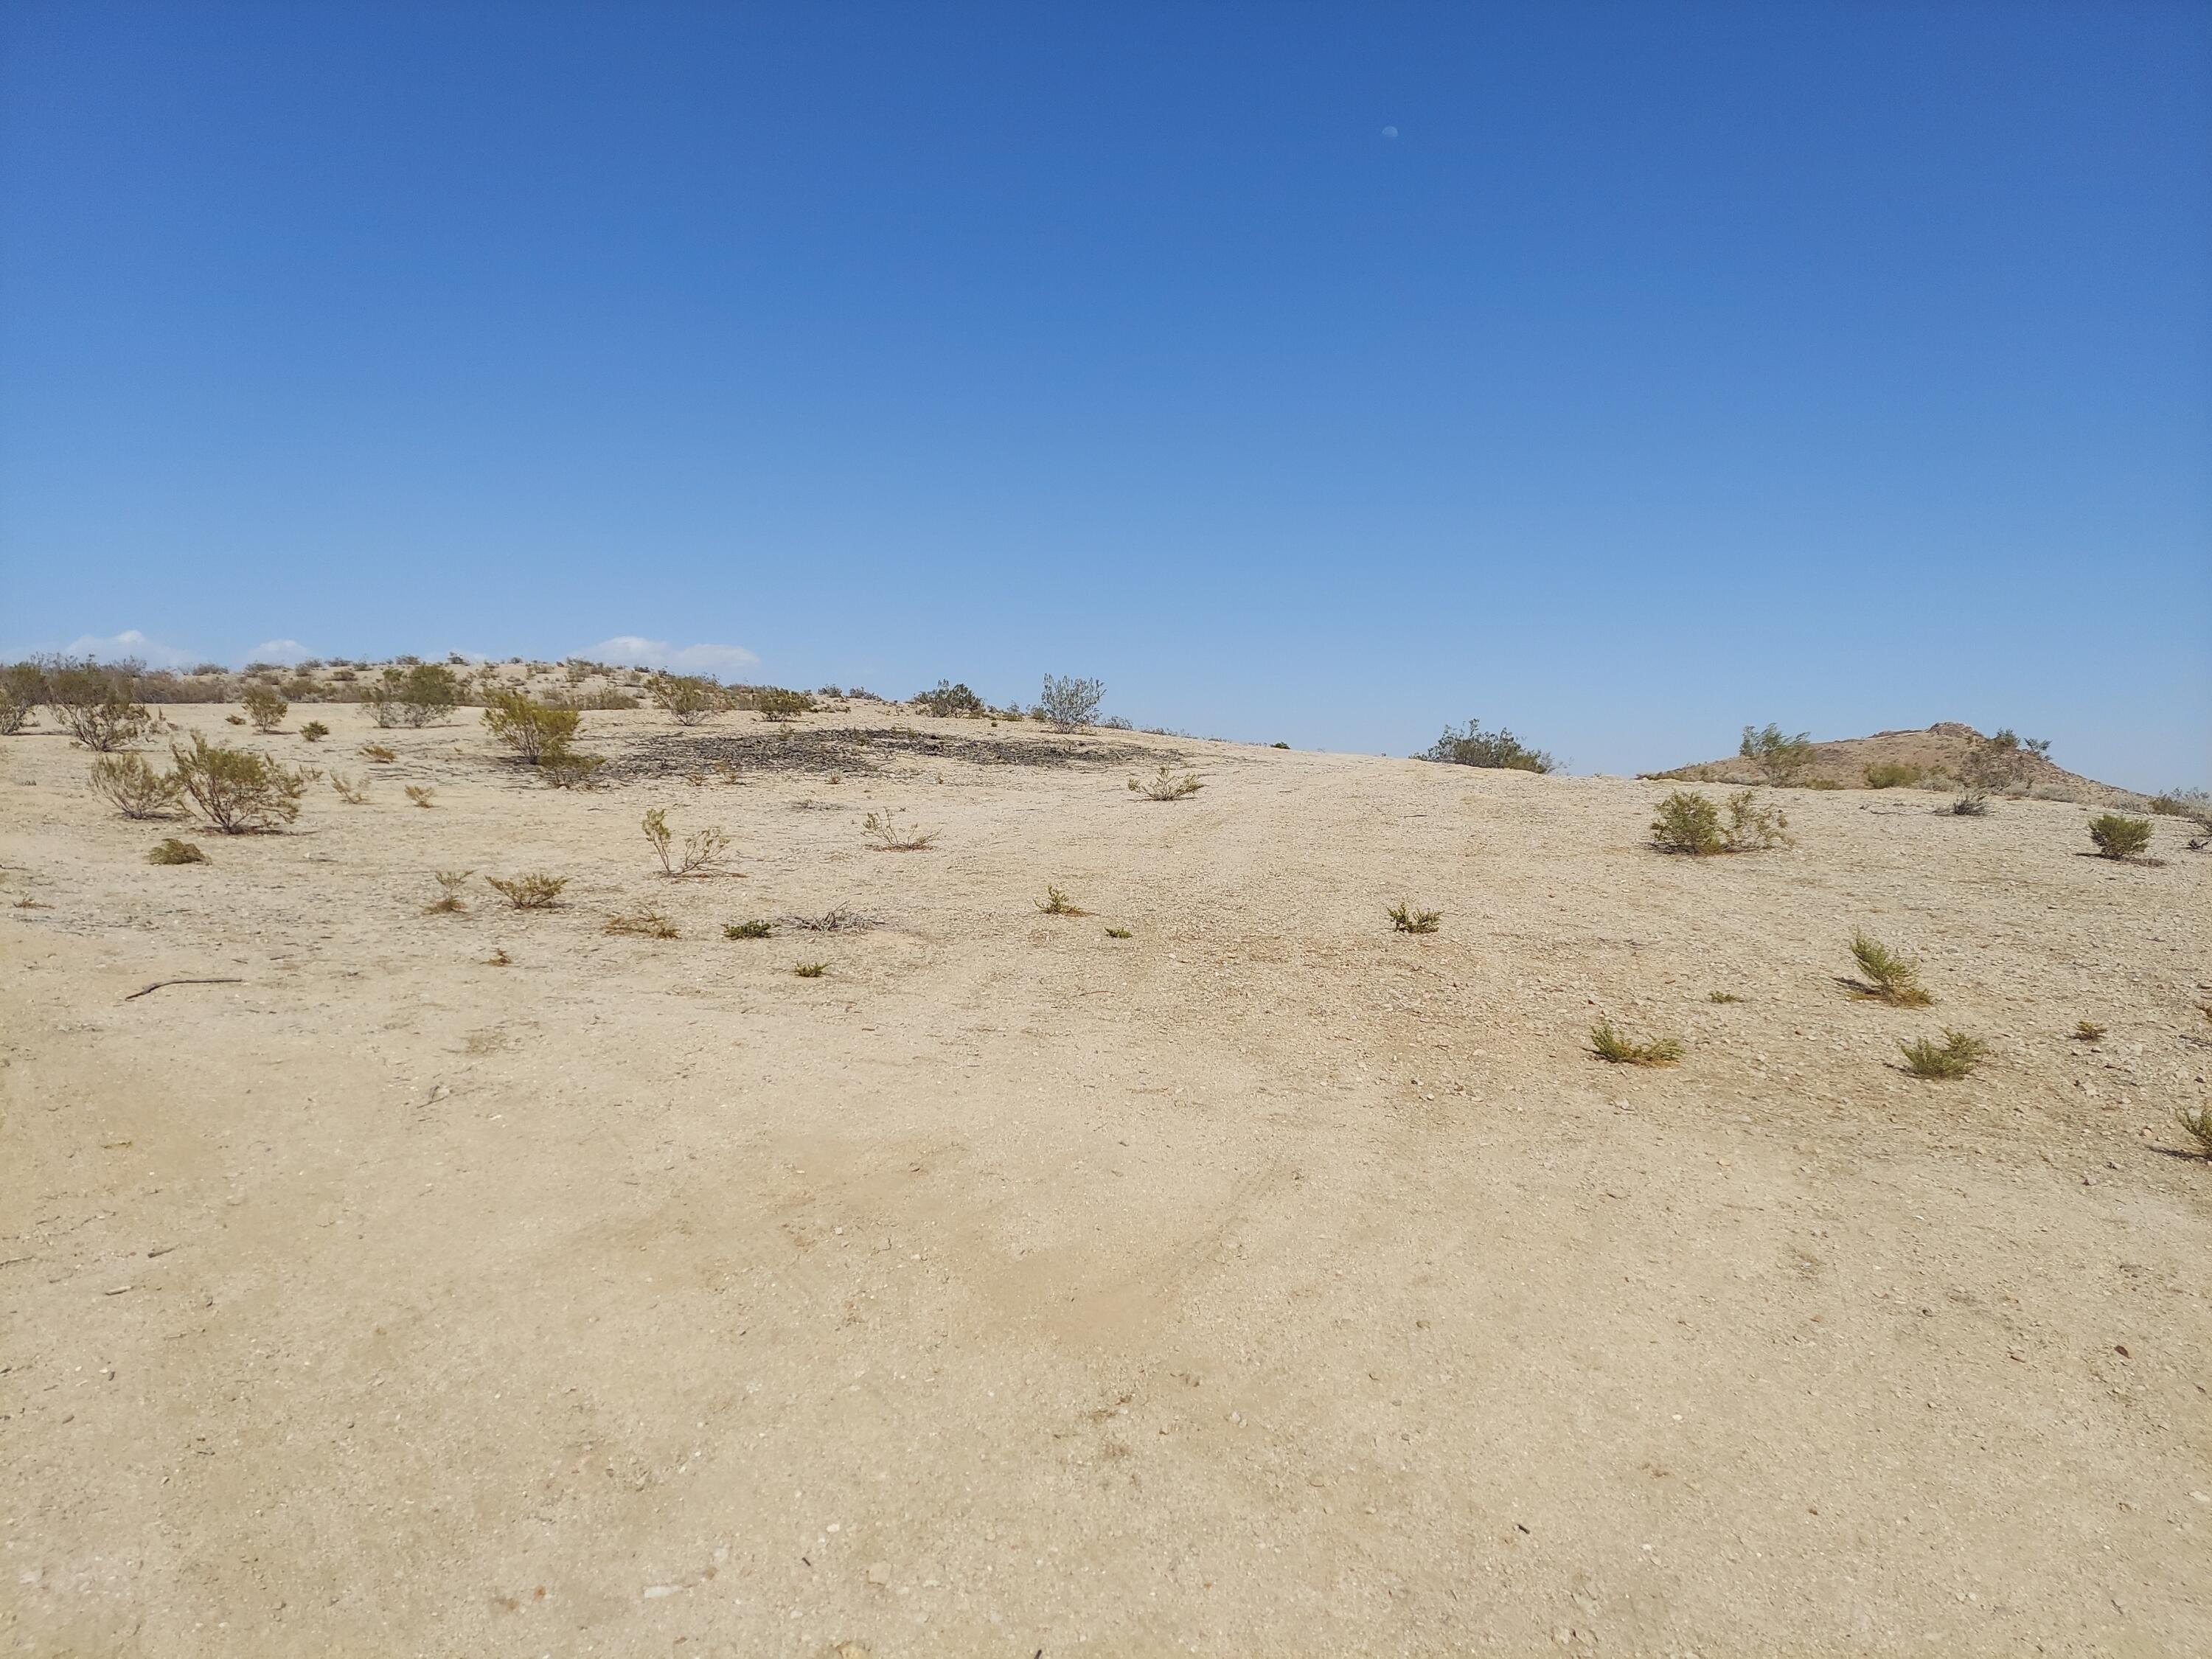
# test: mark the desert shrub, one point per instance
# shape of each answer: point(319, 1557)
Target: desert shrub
point(421, 794)
point(1722, 996)
point(947, 700)
point(427, 693)
point(1820, 783)
point(2197, 1122)
point(450, 883)
point(698, 856)
point(1057, 903)
point(134, 788)
point(378, 753)
point(237, 791)
point(234, 720)
point(645, 924)
point(1069, 702)
point(1954, 1057)
point(21, 689)
point(1751, 827)
point(1780, 758)
point(265, 706)
point(1611, 1045)
point(534, 891)
point(2088, 1031)
point(570, 768)
point(840, 919)
point(756, 928)
point(1686, 823)
point(1473, 746)
point(352, 791)
point(2000, 763)
point(1168, 784)
point(774, 703)
point(1891, 774)
point(314, 731)
point(170, 850)
point(810, 969)
point(532, 729)
point(2118, 837)
point(96, 703)
point(1119, 932)
point(889, 835)
point(688, 698)
point(1890, 977)
point(2192, 803)
point(1408, 920)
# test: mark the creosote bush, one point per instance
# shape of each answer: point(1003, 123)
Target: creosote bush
point(774, 703)
point(2118, 837)
point(1610, 1045)
point(1057, 903)
point(417, 694)
point(1408, 920)
point(570, 768)
point(170, 850)
point(689, 699)
point(95, 704)
point(314, 731)
point(887, 834)
point(1689, 823)
point(533, 730)
point(237, 791)
point(1070, 703)
point(1954, 1057)
point(1891, 774)
point(1781, 758)
point(756, 928)
point(700, 854)
point(1889, 977)
point(534, 891)
point(265, 706)
point(134, 788)
point(948, 701)
point(1473, 746)
point(1168, 784)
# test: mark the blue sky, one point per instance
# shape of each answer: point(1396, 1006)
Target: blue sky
point(1621, 374)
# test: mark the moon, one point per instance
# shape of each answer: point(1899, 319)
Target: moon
point(1389, 132)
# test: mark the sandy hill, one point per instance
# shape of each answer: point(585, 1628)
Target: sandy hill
point(1937, 753)
point(1262, 1281)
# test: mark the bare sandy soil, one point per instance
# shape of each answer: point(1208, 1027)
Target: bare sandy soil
point(1266, 1282)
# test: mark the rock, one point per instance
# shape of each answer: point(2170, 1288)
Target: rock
point(879, 1573)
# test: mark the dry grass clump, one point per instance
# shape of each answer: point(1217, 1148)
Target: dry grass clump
point(238, 792)
point(421, 793)
point(378, 753)
point(170, 850)
point(701, 853)
point(1168, 784)
point(2088, 1031)
point(265, 706)
point(1057, 903)
point(450, 883)
point(1722, 996)
point(1405, 920)
point(1610, 1045)
point(810, 969)
point(534, 891)
point(1954, 1057)
point(2118, 837)
point(1688, 822)
point(841, 918)
point(2197, 1121)
point(134, 788)
point(757, 928)
point(888, 835)
point(499, 959)
point(647, 923)
point(352, 791)
point(1889, 977)
point(313, 732)
point(1119, 932)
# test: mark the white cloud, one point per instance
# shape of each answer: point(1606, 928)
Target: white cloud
point(129, 643)
point(284, 651)
point(635, 653)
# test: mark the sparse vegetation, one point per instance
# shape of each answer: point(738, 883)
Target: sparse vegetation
point(2118, 837)
point(774, 703)
point(450, 883)
point(237, 791)
point(2088, 1031)
point(1722, 996)
point(1057, 903)
point(499, 959)
point(1119, 932)
point(313, 732)
point(414, 694)
point(1069, 702)
point(421, 794)
point(534, 891)
point(839, 919)
point(1954, 1057)
point(570, 768)
point(645, 924)
point(379, 754)
point(1781, 758)
point(756, 928)
point(1168, 784)
point(1473, 746)
point(811, 969)
point(689, 699)
point(352, 791)
point(947, 700)
point(134, 788)
point(95, 704)
point(2000, 763)
point(1610, 1045)
point(1405, 920)
point(265, 706)
point(2196, 1122)
point(701, 853)
point(1689, 823)
point(1889, 977)
point(889, 835)
point(1893, 774)
point(170, 850)
point(533, 730)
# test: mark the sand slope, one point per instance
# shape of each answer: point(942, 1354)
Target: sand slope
point(1266, 1282)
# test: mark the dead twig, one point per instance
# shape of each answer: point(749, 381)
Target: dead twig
point(159, 983)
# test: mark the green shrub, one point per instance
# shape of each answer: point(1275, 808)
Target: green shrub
point(533, 730)
point(265, 706)
point(1168, 784)
point(1612, 1048)
point(535, 891)
point(1893, 774)
point(1780, 758)
point(237, 791)
point(2002, 763)
point(1953, 1057)
point(756, 928)
point(1686, 822)
point(689, 699)
point(314, 731)
point(2118, 837)
point(1499, 750)
point(1119, 932)
point(134, 788)
point(570, 768)
point(1890, 977)
point(1722, 996)
point(1057, 903)
point(811, 969)
point(774, 703)
point(2199, 1123)
point(1408, 920)
point(1070, 703)
point(173, 851)
point(947, 700)
point(96, 703)
point(2192, 803)
point(2088, 1031)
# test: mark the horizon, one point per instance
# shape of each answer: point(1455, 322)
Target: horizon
point(1306, 374)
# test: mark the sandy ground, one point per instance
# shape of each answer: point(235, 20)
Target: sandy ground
point(1266, 1282)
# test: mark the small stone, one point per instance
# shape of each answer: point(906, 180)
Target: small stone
point(879, 1573)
